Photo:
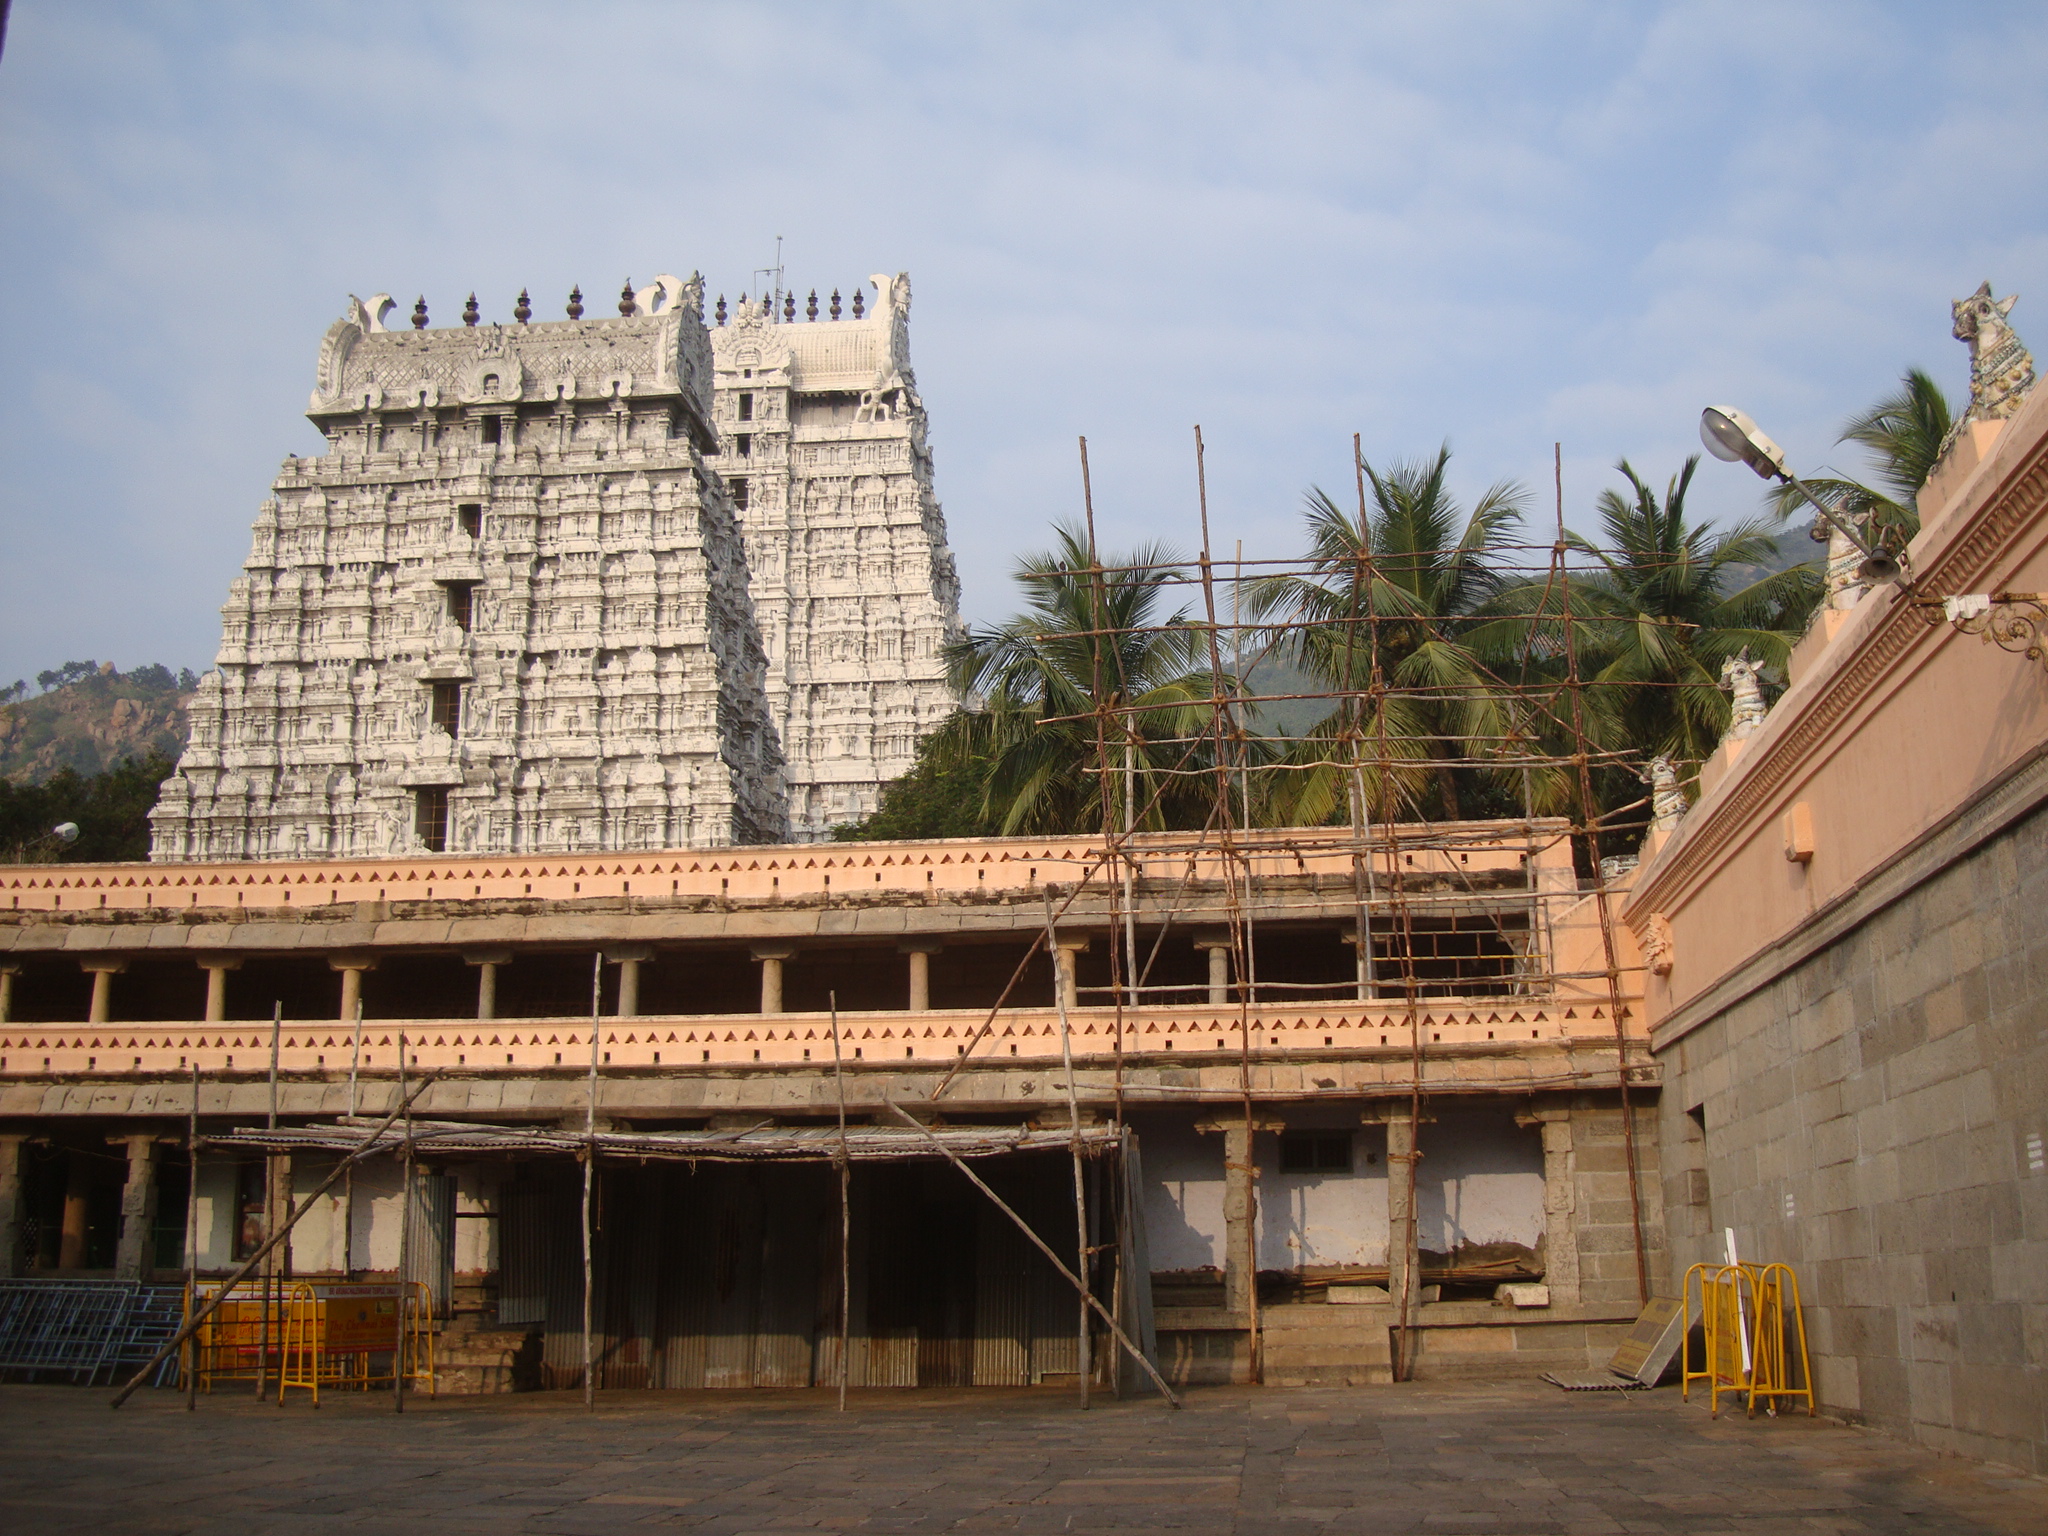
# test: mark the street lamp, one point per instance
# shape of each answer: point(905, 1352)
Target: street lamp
point(1730, 435)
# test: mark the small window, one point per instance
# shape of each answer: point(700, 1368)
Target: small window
point(494, 429)
point(430, 819)
point(739, 494)
point(448, 707)
point(746, 406)
point(461, 605)
point(743, 445)
point(1315, 1152)
point(471, 514)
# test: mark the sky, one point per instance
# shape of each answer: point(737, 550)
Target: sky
point(1497, 225)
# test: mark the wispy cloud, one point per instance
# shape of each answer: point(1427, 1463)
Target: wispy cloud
point(1502, 224)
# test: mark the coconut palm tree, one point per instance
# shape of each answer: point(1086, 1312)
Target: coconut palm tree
point(1661, 612)
point(1388, 599)
point(1904, 433)
point(1087, 638)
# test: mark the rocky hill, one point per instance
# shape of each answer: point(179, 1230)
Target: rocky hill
point(90, 717)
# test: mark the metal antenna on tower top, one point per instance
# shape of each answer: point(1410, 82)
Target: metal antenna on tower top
point(775, 289)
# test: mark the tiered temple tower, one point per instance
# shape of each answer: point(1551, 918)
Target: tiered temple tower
point(579, 586)
point(505, 612)
point(822, 442)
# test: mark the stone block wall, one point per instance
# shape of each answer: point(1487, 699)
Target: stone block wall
point(1876, 1117)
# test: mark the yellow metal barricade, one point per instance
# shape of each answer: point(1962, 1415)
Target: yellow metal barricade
point(1752, 1335)
point(317, 1334)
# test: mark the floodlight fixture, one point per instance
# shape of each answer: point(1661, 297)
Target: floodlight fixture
point(66, 832)
point(1734, 436)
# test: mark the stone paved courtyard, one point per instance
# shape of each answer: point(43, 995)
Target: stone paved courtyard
point(1517, 1458)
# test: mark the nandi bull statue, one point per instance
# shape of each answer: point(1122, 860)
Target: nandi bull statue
point(1667, 800)
point(1746, 695)
point(2001, 368)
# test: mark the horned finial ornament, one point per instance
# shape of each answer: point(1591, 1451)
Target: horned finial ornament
point(419, 313)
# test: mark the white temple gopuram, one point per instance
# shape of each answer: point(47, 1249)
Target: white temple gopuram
point(579, 586)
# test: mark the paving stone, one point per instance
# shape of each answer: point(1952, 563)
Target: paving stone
point(1520, 1459)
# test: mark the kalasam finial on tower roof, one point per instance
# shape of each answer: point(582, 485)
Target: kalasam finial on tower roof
point(523, 310)
point(470, 313)
point(576, 302)
point(626, 298)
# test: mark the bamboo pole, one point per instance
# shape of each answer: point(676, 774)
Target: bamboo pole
point(1225, 727)
point(398, 1359)
point(1082, 1255)
point(1588, 810)
point(845, 1209)
point(1115, 1328)
point(192, 1236)
point(192, 1323)
point(269, 1215)
point(348, 1188)
point(590, 1170)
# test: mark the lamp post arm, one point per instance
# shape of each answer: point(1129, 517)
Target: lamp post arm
point(1828, 515)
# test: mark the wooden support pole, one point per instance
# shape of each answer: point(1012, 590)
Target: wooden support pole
point(845, 1209)
point(256, 1258)
point(1115, 1328)
point(348, 1188)
point(1082, 1253)
point(192, 1237)
point(398, 1360)
point(269, 1213)
point(590, 1173)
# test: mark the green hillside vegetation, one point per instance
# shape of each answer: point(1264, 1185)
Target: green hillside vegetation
point(90, 747)
point(88, 717)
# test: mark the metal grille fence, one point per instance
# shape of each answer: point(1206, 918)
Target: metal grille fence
point(84, 1330)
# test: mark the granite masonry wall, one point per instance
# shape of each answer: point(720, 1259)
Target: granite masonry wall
point(1875, 1117)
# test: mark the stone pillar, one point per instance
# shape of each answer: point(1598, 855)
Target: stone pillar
point(1560, 1205)
point(920, 952)
point(7, 975)
point(103, 969)
point(217, 968)
point(1240, 1208)
point(1218, 947)
point(351, 968)
point(487, 963)
point(11, 1264)
point(1403, 1259)
point(772, 957)
point(138, 1208)
point(72, 1234)
point(629, 958)
point(1065, 968)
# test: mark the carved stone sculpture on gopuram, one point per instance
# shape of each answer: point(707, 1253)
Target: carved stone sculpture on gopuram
point(508, 609)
